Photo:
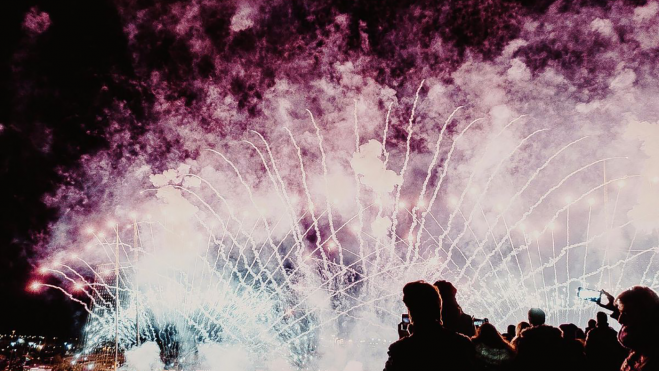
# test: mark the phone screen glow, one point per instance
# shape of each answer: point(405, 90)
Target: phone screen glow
point(589, 294)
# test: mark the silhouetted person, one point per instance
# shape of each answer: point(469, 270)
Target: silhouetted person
point(540, 347)
point(603, 350)
point(581, 335)
point(574, 348)
point(493, 352)
point(518, 330)
point(452, 315)
point(430, 346)
point(637, 310)
point(510, 333)
point(591, 325)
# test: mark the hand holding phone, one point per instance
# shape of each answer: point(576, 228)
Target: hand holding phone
point(478, 322)
point(404, 326)
point(607, 301)
point(600, 297)
point(589, 294)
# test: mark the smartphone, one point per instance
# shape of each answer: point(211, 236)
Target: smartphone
point(478, 322)
point(592, 295)
point(404, 326)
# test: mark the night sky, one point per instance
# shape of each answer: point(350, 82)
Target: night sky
point(54, 91)
point(86, 82)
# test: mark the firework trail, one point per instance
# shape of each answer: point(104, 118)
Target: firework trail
point(287, 271)
point(272, 199)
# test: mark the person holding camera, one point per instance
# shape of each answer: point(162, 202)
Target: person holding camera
point(430, 346)
point(637, 310)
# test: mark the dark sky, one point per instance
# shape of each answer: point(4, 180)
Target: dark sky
point(70, 69)
point(51, 112)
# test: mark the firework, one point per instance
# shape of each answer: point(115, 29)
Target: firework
point(302, 267)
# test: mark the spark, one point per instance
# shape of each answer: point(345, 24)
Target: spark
point(35, 286)
point(285, 279)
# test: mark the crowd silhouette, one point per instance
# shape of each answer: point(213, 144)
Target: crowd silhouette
point(440, 336)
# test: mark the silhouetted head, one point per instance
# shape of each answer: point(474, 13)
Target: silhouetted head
point(446, 290)
point(488, 334)
point(569, 331)
point(521, 326)
point(536, 317)
point(602, 319)
point(591, 323)
point(638, 305)
point(639, 310)
point(423, 302)
point(580, 333)
point(511, 330)
point(451, 310)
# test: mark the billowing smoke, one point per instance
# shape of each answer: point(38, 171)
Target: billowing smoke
point(299, 162)
point(146, 357)
point(646, 211)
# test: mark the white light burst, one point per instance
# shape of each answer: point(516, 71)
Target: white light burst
point(303, 265)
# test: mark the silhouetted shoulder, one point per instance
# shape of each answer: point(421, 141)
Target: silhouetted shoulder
point(541, 331)
point(460, 339)
point(432, 349)
point(395, 353)
point(459, 344)
point(399, 345)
